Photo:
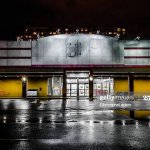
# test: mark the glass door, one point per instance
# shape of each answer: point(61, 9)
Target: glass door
point(77, 87)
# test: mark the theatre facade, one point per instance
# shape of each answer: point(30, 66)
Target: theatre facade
point(81, 66)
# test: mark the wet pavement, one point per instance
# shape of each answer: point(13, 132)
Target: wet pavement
point(54, 124)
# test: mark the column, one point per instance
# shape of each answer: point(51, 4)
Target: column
point(91, 85)
point(24, 87)
point(131, 91)
point(64, 85)
point(131, 83)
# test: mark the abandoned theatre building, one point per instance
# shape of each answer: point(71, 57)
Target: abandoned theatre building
point(78, 65)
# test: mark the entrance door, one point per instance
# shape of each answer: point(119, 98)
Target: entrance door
point(77, 87)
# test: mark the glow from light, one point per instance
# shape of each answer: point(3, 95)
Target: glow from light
point(101, 122)
point(111, 122)
point(22, 121)
point(91, 78)
point(24, 79)
point(40, 120)
point(137, 124)
point(34, 33)
point(123, 122)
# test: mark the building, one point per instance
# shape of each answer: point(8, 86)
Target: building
point(75, 65)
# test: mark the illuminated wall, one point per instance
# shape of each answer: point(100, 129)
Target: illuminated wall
point(10, 87)
point(121, 85)
point(41, 84)
point(135, 52)
point(76, 49)
point(141, 85)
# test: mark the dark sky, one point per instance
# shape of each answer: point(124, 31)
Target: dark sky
point(15, 15)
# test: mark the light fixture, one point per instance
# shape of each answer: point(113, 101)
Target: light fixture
point(38, 35)
point(85, 30)
point(91, 78)
point(58, 31)
point(117, 36)
point(137, 38)
point(77, 31)
point(34, 33)
point(24, 79)
point(98, 32)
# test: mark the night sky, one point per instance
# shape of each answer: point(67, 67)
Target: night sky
point(16, 15)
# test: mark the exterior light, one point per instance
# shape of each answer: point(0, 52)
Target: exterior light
point(77, 31)
point(18, 38)
point(98, 32)
point(123, 29)
point(137, 38)
point(115, 33)
point(91, 78)
point(66, 30)
point(34, 33)
point(38, 36)
point(85, 30)
point(118, 29)
point(117, 36)
point(58, 31)
point(24, 79)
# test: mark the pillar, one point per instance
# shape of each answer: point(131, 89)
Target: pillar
point(91, 85)
point(131, 91)
point(64, 85)
point(24, 87)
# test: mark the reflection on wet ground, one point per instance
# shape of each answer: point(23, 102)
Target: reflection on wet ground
point(58, 124)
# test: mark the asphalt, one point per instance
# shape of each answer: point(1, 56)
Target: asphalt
point(55, 124)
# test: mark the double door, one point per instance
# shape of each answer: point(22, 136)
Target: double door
point(77, 87)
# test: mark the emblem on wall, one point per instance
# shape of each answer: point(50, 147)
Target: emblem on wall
point(74, 49)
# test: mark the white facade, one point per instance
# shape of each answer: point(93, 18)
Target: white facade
point(76, 50)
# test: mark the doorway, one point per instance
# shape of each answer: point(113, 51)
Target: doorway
point(77, 87)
